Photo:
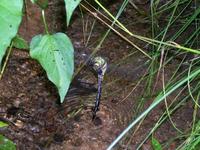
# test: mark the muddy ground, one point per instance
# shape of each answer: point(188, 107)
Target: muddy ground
point(28, 101)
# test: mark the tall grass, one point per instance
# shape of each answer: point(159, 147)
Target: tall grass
point(175, 29)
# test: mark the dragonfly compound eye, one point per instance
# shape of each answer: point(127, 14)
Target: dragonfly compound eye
point(99, 64)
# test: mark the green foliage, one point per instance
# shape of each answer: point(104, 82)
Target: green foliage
point(70, 6)
point(155, 144)
point(56, 55)
point(41, 3)
point(55, 52)
point(160, 98)
point(6, 144)
point(172, 21)
point(11, 16)
point(2, 124)
point(59, 64)
point(193, 141)
point(20, 43)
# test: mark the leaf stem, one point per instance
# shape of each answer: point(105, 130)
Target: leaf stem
point(45, 23)
point(6, 61)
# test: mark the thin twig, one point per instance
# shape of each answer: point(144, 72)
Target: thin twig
point(6, 61)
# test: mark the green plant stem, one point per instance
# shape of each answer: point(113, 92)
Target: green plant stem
point(45, 23)
point(6, 61)
point(195, 113)
point(157, 101)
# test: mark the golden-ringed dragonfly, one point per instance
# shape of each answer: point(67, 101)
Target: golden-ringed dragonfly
point(99, 65)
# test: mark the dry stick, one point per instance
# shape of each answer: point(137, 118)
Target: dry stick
point(166, 103)
point(104, 16)
point(145, 39)
point(118, 33)
point(6, 61)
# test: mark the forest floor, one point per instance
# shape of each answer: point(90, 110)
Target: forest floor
point(28, 99)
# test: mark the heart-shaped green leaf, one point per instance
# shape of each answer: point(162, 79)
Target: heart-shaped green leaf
point(70, 6)
point(10, 18)
point(56, 55)
point(6, 144)
point(3, 124)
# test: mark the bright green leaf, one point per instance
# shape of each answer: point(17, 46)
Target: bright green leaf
point(6, 144)
point(70, 6)
point(20, 43)
point(56, 55)
point(10, 18)
point(41, 3)
point(33, 1)
point(2, 124)
point(155, 144)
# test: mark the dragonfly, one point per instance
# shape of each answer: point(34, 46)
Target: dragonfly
point(99, 66)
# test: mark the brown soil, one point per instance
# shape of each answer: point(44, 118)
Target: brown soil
point(28, 101)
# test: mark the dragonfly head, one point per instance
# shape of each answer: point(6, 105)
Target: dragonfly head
point(99, 65)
